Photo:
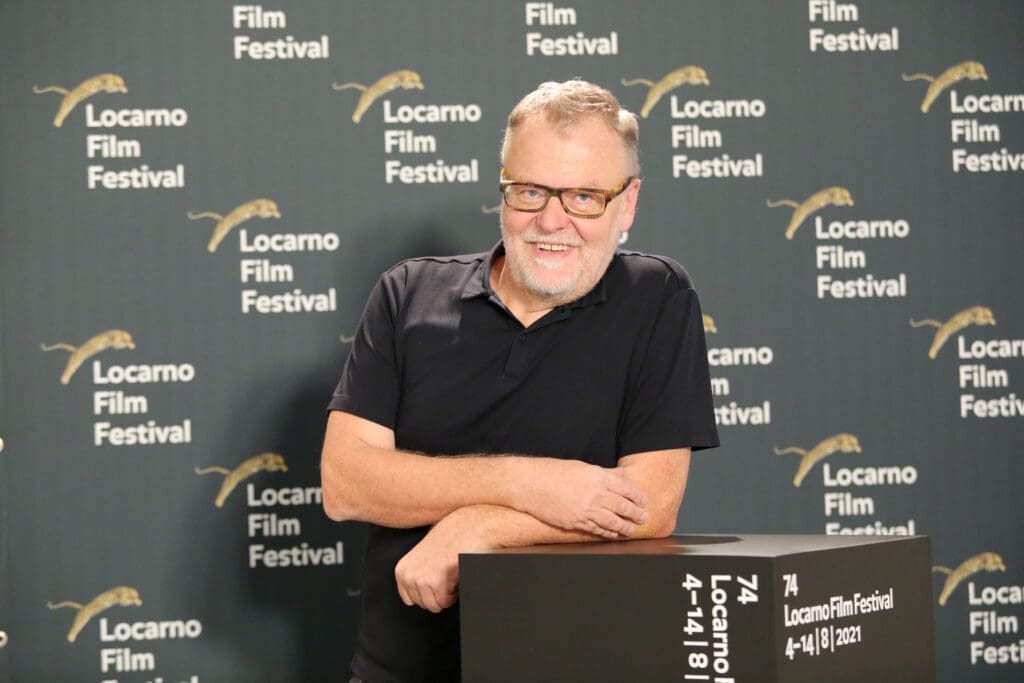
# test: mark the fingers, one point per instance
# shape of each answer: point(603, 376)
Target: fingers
point(420, 591)
point(625, 509)
point(428, 601)
point(627, 489)
point(404, 592)
point(618, 512)
point(591, 527)
point(414, 594)
point(605, 524)
point(614, 524)
point(447, 598)
point(615, 520)
point(585, 497)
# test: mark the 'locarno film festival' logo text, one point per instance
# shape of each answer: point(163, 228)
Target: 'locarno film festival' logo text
point(403, 78)
point(255, 208)
point(989, 562)
point(958, 72)
point(111, 339)
point(87, 88)
point(975, 315)
point(687, 75)
point(121, 595)
point(841, 443)
point(264, 462)
point(830, 196)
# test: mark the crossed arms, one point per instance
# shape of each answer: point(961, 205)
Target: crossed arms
point(477, 503)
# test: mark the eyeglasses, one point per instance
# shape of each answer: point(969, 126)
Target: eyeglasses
point(579, 202)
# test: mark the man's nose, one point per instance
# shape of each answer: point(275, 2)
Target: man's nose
point(553, 217)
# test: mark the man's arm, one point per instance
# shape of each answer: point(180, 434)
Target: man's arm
point(364, 478)
point(427, 575)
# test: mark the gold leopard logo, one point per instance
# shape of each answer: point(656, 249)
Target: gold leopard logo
point(687, 75)
point(830, 196)
point(403, 78)
point(256, 208)
point(121, 595)
point(841, 443)
point(989, 562)
point(975, 315)
point(958, 72)
point(87, 88)
point(709, 324)
point(264, 462)
point(111, 339)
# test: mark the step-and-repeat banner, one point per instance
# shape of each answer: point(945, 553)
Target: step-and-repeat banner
point(196, 198)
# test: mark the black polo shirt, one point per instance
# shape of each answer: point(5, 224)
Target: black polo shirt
point(440, 360)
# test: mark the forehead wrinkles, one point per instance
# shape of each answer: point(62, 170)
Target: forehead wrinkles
point(590, 136)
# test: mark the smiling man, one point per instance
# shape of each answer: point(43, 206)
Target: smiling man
point(548, 391)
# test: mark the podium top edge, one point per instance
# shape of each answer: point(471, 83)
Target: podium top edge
point(709, 545)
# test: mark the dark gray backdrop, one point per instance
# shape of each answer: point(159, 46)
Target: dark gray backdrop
point(77, 520)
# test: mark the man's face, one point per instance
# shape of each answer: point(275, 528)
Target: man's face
point(552, 257)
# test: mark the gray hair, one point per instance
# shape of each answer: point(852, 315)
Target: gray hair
point(569, 103)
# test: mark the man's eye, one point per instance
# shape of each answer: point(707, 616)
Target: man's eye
point(584, 198)
point(530, 193)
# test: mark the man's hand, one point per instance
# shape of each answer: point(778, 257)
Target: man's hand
point(574, 495)
point(428, 575)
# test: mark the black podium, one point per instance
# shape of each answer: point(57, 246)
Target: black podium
point(722, 609)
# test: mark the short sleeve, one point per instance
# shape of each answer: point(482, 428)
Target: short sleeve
point(370, 384)
point(669, 403)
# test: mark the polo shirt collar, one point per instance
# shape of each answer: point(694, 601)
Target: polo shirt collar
point(479, 284)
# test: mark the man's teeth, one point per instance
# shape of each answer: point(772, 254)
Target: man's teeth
point(552, 247)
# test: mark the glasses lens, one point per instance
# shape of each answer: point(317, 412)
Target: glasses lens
point(584, 203)
point(526, 197)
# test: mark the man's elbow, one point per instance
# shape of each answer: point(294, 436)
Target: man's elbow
point(667, 528)
point(664, 515)
point(662, 475)
point(661, 525)
point(334, 506)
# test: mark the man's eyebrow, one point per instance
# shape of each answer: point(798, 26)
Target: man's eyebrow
point(590, 183)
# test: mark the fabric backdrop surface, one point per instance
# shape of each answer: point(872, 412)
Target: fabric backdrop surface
point(197, 197)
